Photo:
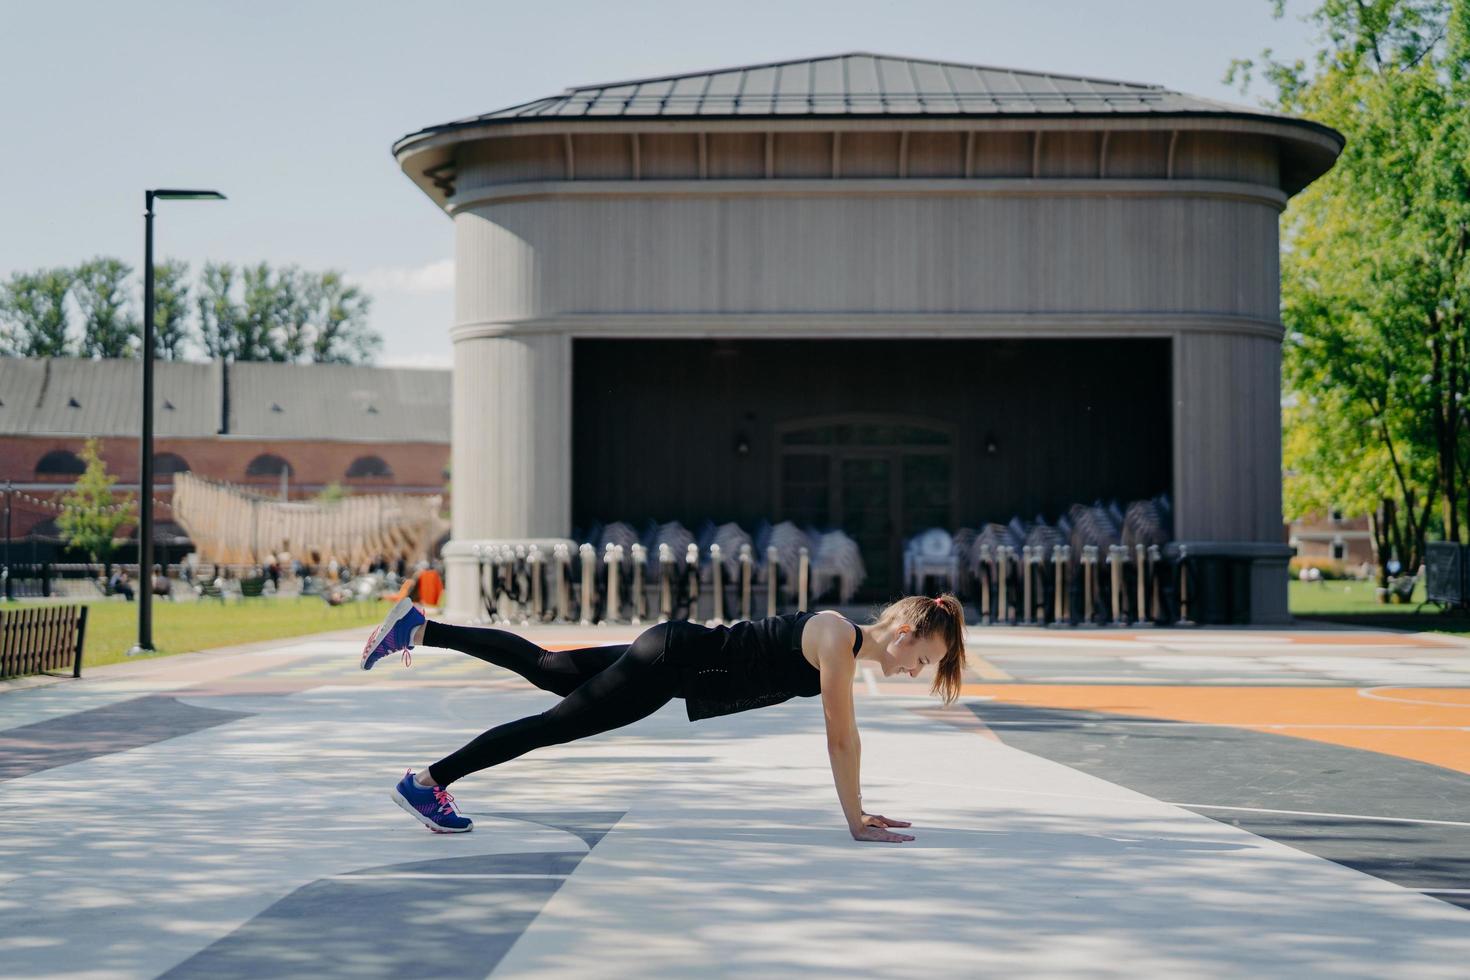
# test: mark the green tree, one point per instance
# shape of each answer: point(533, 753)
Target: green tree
point(342, 332)
point(170, 309)
point(300, 295)
point(33, 315)
point(218, 310)
point(333, 493)
point(1376, 270)
point(91, 514)
point(257, 326)
point(109, 329)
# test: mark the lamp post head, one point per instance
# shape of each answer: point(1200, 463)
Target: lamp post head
point(178, 195)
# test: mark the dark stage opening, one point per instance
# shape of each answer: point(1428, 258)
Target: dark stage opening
point(878, 438)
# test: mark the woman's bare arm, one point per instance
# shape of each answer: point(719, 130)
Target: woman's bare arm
point(844, 749)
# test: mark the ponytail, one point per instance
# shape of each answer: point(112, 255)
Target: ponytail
point(945, 617)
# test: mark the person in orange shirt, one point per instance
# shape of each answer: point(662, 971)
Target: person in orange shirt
point(424, 587)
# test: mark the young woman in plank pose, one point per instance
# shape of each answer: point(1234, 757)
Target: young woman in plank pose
point(715, 670)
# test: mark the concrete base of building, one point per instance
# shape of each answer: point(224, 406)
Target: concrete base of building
point(462, 560)
point(1236, 581)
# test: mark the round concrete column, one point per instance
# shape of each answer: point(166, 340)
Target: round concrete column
point(511, 450)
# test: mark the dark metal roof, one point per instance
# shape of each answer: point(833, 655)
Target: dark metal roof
point(858, 84)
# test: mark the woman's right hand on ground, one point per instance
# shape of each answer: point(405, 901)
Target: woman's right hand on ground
point(874, 833)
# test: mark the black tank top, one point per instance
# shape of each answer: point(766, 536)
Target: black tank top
point(748, 665)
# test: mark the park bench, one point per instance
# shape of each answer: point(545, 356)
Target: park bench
point(41, 640)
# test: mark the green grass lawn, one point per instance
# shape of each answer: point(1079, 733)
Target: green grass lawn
point(1343, 597)
point(1355, 604)
point(183, 627)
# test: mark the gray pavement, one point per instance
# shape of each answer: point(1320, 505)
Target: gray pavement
point(227, 815)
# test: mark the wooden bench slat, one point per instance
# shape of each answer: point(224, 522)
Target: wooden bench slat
point(50, 636)
point(43, 639)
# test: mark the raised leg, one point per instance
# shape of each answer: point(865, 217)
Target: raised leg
point(559, 671)
point(634, 686)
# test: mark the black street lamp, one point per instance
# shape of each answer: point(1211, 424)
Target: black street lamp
point(145, 474)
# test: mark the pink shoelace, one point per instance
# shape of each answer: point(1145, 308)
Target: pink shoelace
point(407, 657)
point(446, 802)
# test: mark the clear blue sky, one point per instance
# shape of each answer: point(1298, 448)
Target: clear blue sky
point(290, 108)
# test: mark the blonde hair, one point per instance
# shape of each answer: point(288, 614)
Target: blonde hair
point(944, 617)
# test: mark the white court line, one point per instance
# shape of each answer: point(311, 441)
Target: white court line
point(1372, 692)
point(1313, 813)
point(870, 678)
point(1445, 891)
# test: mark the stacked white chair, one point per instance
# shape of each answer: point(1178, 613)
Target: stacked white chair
point(838, 559)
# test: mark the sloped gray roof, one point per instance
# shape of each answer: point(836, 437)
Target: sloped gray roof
point(339, 401)
point(72, 396)
point(857, 84)
point(78, 397)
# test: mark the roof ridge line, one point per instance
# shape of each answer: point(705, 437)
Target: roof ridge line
point(572, 90)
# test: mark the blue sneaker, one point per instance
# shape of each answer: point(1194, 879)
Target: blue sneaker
point(394, 634)
point(432, 807)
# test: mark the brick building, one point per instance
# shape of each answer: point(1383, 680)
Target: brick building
point(283, 430)
point(1334, 535)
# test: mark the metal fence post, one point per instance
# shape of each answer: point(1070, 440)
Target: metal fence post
point(1003, 574)
point(745, 574)
point(987, 576)
point(1141, 617)
point(1115, 561)
point(613, 558)
point(561, 556)
point(1153, 576)
point(536, 565)
point(716, 572)
point(691, 580)
point(1089, 565)
point(1026, 559)
point(773, 569)
point(665, 583)
point(640, 599)
point(803, 577)
point(1184, 619)
point(589, 580)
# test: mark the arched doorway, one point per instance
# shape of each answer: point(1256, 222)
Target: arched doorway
point(879, 478)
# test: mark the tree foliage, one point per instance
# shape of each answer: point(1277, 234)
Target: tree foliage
point(247, 313)
point(1376, 271)
point(342, 335)
point(171, 333)
point(33, 314)
point(218, 310)
point(109, 328)
point(91, 514)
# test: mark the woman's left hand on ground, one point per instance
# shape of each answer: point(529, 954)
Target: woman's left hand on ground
point(874, 820)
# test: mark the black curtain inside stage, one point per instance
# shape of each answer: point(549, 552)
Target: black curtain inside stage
point(881, 438)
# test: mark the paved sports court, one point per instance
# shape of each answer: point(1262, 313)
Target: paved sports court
point(1159, 803)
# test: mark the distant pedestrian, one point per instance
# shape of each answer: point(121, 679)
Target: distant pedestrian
point(118, 584)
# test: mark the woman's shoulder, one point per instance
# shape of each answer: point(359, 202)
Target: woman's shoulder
point(827, 630)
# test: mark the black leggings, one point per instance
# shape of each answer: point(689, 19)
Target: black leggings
point(602, 688)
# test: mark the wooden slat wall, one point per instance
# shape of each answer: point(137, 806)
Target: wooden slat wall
point(874, 253)
point(1228, 445)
